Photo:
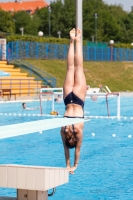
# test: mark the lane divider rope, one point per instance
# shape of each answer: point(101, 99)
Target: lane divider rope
point(49, 115)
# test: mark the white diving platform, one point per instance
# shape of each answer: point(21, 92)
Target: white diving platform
point(31, 182)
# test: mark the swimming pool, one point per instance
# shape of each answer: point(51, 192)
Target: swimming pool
point(106, 161)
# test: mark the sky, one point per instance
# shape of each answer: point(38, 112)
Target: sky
point(126, 3)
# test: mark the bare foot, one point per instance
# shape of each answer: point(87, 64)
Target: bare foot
point(72, 34)
point(78, 34)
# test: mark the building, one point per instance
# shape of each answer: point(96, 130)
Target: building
point(27, 5)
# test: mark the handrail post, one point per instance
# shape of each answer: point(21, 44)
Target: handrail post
point(53, 192)
point(40, 97)
point(118, 107)
point(53, 101)
point(37, 87)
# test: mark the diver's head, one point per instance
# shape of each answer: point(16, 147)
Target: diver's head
point(70, 140)
point(70, 143)
point(24, 105)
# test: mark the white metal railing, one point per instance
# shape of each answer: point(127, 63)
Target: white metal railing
point(59, 91)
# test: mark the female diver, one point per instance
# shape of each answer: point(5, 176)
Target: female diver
point(74, 92)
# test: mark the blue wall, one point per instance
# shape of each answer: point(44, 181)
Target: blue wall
point(37, 50)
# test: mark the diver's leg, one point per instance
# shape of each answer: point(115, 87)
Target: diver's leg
point(69, 79)
point(79, 77)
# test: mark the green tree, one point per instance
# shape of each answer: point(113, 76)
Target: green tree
point(129, 27)
point(6, 22)
point(121, 18)
point(89, 19)
point(112, 21)
point(62, 18)
point(34, 25)
point(68, 17)
point(22, 19)
point(43, 16)
point(108, 27)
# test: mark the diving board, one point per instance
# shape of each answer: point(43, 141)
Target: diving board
point(32, 182)
point(37, 126)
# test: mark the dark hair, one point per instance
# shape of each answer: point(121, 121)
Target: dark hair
point(23, 104)
point(70, 138)
point(70, 145)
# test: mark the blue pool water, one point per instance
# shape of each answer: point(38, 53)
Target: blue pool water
point(105, 170)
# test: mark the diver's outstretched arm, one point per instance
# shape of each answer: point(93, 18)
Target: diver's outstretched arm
point(76, 156)
point(66, 151)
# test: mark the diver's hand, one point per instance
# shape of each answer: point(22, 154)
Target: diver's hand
point(69, 168)
point(72, 169)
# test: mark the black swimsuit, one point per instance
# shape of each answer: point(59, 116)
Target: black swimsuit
point(71, 98)
point(72, 116)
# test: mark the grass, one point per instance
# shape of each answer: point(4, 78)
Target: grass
point(118, 76)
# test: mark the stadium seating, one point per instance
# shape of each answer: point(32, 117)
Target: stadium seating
point(18, 83)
